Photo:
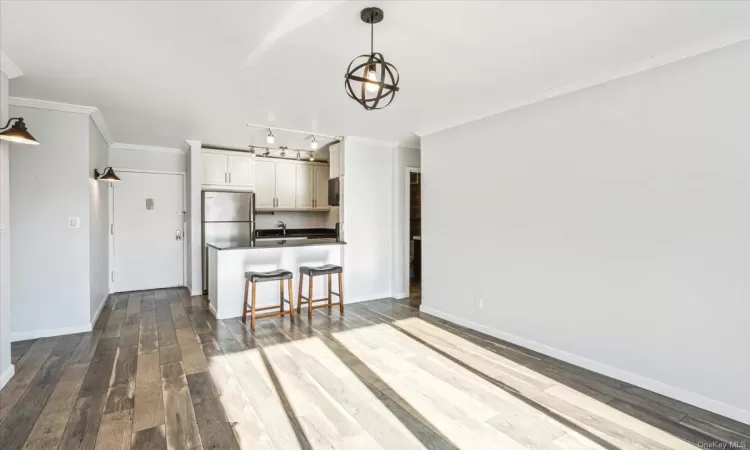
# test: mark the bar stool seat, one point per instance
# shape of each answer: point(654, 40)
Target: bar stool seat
point(251, 278)
point(279, 274)
point(320, 270)
point(311, 272)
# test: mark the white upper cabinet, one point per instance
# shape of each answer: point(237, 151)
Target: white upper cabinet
point(228, 170)
point(305, 186)
point(286, 184)
point(320, 187)
point(214, 168)
point(241, 170)
point(265, 183)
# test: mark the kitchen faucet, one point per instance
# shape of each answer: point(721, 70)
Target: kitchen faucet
point(282, 225)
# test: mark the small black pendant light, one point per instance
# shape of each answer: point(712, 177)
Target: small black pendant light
point(376, 84)
point(108, 175)
point(17, 133)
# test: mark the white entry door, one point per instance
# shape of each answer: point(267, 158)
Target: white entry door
point(148, 231)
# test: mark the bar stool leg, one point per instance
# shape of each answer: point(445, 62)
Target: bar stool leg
point(291, 299)
point(309, 300)
point(299, 294)
point(341, 294)
point(330, 290)
point(252, 310)
point(244, 305)
point(281, 296)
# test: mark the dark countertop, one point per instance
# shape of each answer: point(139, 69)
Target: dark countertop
point(312, 233)
point(273, 243)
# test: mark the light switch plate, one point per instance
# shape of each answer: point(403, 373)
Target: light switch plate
point(74, 222)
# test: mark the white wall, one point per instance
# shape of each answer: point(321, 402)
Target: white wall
point(403, 157)
point(610, 228)
point(6, 369)
point(195, 268)
point(368, 213)
point(124, 156)
point(99, 227)
point(50, 183)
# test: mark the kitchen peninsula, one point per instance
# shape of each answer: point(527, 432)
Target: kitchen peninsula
point(228, 262)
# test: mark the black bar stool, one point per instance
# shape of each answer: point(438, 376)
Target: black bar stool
point(258, 277)
point(328, 269)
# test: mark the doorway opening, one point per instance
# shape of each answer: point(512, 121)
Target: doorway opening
point(415, 233)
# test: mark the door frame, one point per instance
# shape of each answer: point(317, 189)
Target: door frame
point(185, 221)
point(405, 224)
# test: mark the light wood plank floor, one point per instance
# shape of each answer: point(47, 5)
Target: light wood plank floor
point(159, 372)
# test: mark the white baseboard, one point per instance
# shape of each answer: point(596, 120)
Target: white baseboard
point(401, 295)
point(212, 309)
point(35, 334)
point(99, 311)
point(691, 398)
point(7, 375)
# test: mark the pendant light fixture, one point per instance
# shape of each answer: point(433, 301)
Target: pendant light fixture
point(108, 175)
point(17, 133)
point(370, 80)
point(270, 138)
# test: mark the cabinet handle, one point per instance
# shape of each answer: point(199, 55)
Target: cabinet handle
point(230, 177)
point(225, 177)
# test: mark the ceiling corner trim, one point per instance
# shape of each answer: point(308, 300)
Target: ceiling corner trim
point(93, 112)
point(364, 140)
point(101, 125)
point(52, 106)
point(654, 62)
point(145, 148)
point(8, 67)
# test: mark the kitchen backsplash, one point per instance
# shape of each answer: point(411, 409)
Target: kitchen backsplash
point(298, 219)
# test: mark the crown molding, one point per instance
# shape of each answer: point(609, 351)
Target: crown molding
point(8, 68)
point(145, 148)
point(642, 66)
point(364, 140)
point(93, 112)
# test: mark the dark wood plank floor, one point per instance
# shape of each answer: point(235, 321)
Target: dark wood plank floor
point(159, 371)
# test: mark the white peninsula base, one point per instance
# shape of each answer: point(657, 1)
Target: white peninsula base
point(227, 266)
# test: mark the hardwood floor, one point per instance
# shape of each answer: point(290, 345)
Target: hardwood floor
point(160, 372)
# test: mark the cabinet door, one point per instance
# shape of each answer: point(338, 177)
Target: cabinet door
point(321, 186)
point(305, 185)
point(265, 183)
point(286, 184)
point(241, 170)
point(214, 168)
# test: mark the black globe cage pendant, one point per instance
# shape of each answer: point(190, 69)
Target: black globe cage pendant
point(370, 80)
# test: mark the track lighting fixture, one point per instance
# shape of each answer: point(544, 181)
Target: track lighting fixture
point(312, 158)
point(314, 143)
point(270, 138)
point(17, 133)
point(283, 151)
point(267, 152)
point(298, 156)
point(252, 150)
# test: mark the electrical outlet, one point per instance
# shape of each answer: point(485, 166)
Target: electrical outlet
point(480, 302)
point(74, 222)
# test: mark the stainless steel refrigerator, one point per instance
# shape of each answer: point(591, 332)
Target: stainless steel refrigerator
point(228, 217)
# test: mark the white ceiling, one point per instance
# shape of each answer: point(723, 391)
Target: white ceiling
point(163, 72)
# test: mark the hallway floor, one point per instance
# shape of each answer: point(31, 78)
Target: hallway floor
point(159, 371)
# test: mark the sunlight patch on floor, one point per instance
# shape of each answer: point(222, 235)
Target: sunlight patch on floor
point(334, 408)
point(582, 410)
